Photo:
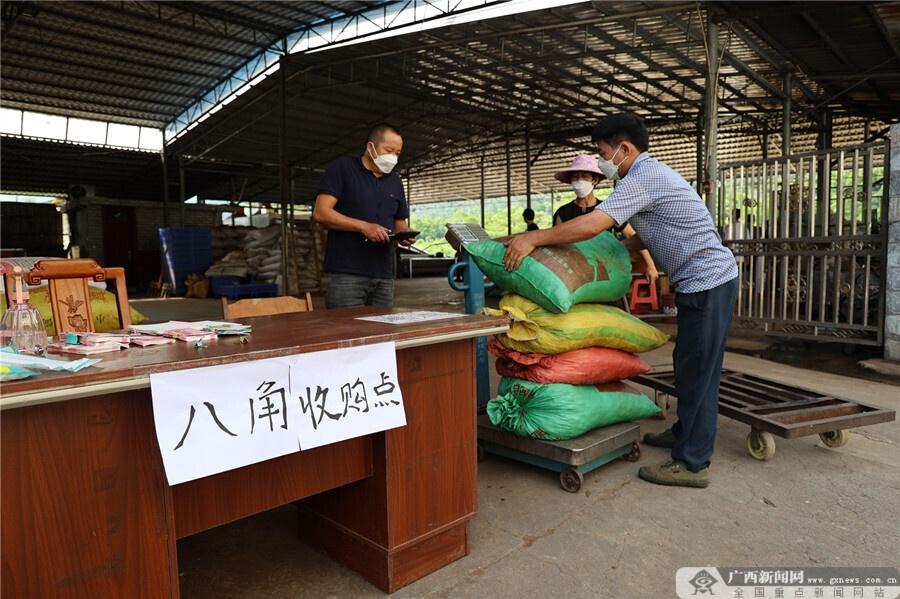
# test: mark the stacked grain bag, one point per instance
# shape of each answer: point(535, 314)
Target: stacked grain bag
point(566, 353)
point(226, 240)
point(262, 248)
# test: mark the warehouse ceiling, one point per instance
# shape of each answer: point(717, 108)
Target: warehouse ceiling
point(539, 79)
point(140, 63)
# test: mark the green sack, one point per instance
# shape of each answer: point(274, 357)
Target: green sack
point(557, 277)
point(560, 411)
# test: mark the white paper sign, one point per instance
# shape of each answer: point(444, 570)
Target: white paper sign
point(409, 317)
point(214, 419)
point(346, 393)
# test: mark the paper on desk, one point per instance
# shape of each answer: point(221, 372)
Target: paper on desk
point(409, 317)
point(164, 327)
point(228, 328)
point(13, 358)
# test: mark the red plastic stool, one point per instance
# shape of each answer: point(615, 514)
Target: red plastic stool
point(643, 303)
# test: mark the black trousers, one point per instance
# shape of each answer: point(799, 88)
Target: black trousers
point(703, 321)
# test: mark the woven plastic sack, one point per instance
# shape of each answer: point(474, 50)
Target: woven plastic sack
point(536, 330)
point(560, 276)
point(557, 412)
point(588, 366)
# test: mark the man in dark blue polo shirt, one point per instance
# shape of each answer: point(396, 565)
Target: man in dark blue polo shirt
point(361, 203)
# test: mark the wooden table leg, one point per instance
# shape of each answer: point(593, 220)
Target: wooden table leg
point(86, 511)
point(411, 517)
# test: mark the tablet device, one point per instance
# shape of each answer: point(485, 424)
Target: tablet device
point(401, 235)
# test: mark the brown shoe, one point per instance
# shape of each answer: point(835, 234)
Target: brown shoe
point(675, 473)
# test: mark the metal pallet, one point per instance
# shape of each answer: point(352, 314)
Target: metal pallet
point(572, 458)
point(772, 408)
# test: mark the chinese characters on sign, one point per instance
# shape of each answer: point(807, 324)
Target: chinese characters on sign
point(209, 420)
point(355, 394)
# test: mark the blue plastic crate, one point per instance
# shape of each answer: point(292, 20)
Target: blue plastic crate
point(219, 285)
point(234, 292)
point(184, 251)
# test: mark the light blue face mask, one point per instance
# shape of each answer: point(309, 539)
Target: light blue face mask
point(609, 168)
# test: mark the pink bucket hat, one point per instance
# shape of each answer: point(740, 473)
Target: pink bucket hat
point(581, 163)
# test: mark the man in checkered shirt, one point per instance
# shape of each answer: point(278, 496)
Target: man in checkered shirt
point(673, 223)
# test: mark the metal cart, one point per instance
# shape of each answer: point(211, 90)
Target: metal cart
point(572, 458)
point(772, 408)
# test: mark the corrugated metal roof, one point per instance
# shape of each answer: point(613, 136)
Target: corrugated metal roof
point(138, 62)
point(851, 50)
point(453, 90)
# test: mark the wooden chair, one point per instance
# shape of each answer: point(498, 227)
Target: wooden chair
point(266, 306)
point(69, 292)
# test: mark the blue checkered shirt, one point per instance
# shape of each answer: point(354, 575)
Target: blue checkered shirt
point(673, 223)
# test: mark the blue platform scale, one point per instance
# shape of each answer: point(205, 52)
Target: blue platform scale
point(572, 458)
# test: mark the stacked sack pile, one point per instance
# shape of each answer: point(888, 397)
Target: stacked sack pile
point(262, 248)
point(567, 352)
point(226, 240)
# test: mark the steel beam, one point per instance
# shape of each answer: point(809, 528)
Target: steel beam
point(786, 116)
point(711, 113)
point(182, 192)
point(508, 184)
point(165, 185)
point(527, 165)
point(285, 176)
point(482, 191)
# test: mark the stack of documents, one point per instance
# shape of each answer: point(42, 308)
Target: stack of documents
point(87, 349)
point(200, 330)
point(228, 328)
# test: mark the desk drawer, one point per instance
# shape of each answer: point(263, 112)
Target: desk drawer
point(208, 502)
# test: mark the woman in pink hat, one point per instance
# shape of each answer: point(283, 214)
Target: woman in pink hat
point(584, 175)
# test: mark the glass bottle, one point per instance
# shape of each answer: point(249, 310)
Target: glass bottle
point(22, 326)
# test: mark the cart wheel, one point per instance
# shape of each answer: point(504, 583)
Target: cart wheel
point(481, 453)
point(835, 438)
point(571, 480)
point(761, 445)
point(634, 455)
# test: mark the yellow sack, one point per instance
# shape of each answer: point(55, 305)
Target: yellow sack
point(197, 286)
point(103, 309)
point(536, 330)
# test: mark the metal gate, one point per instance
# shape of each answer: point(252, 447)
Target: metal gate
point(810, 242)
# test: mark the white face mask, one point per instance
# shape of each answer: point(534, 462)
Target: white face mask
point(582, 188)
point(384, 162)
point(609, 168)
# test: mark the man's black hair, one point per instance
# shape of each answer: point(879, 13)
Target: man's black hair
point(376, 133)
point(528, 214)
point(620, 127)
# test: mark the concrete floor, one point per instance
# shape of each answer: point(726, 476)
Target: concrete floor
point(619, 537)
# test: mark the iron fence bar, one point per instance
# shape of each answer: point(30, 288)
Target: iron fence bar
point(867, 282)
point(853, 199)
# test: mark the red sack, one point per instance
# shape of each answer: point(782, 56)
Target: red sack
point(588, 366)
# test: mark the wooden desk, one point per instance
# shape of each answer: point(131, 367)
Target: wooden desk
point(87, 512)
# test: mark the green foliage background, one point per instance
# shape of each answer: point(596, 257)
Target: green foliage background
point(431, 219)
